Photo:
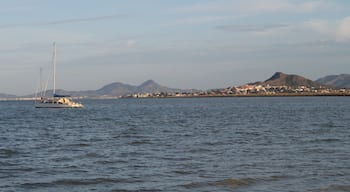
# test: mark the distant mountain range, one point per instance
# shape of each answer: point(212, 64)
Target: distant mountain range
point(281, 79)
point(3, 95)
point(118, 89)
point(339, 81)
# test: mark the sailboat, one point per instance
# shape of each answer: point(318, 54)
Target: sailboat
point(56, 101)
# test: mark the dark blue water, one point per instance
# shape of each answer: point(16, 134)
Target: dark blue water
point(207, 144)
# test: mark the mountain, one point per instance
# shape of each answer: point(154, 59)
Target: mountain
point(339, 81)
point(152, 87)
point(119, 89)
point(5, 96)
point(281, 79)
point(115, 89)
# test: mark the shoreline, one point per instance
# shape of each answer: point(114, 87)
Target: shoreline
point(204, 96)
point(248, 95)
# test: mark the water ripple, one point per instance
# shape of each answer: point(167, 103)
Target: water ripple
point(204, 144)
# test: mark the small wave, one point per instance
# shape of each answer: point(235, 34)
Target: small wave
point(199, 150)
point(232, 182)
point(175, 158)
point(325, 125)
point(78, 145)
point(94, 155)
point(140, 142)
point(62, 159)
point(334, 188)
point(325, 140)
point(226, 182)
point(18, 169)
point(131, 153)
point(143, 190)
point(214, 143)
point(106, 162)
point(129, 135)
point(182, 172)
point(78, 182)
point(88, 181)
point(103, 119)
point(235, 182)
point(7, 164)
point(5, 153)
point(328, 125)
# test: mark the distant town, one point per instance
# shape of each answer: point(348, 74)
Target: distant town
point(249, 91)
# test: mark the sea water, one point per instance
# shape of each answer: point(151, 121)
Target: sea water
point(194, 144)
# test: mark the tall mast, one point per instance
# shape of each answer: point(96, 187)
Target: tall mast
point(54, 68)
point(41, 83)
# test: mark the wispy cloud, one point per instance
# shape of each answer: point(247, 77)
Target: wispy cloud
point(250, 28)
point(78, 20)
point(256, 6)
point(319, 26)
point(131, 43)
point(311, 30)
point(7, 26)
point(287, 5)
point(63, 21)
point(343, 30)
point(336, 30)
point(199, 20)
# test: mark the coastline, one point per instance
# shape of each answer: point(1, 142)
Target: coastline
point(249, 95)
point(206, 96)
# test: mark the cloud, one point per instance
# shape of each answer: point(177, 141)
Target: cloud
point(78, 20)
point(199, 20)
point(9, 26)
point(312, 30)
point(250, 28)
point(314, 5)
point(289, 6)
point(318, 26)
point(336, 30)
point(131, 43)
point(63, 21)
point(258, 6)
point(343, 30)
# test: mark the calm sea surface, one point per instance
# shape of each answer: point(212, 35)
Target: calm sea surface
point(204, 144)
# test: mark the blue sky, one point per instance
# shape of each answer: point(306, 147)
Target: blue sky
point(199, 44)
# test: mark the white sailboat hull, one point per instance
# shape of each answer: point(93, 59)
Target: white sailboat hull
point(54, 105)
point(62, 102)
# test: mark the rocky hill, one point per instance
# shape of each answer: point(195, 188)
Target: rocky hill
point(152, 87)
point(339, 81)
point(281, 79)
point(115, 89)
point(119, 89)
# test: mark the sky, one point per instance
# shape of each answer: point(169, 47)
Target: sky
point(199, 44)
